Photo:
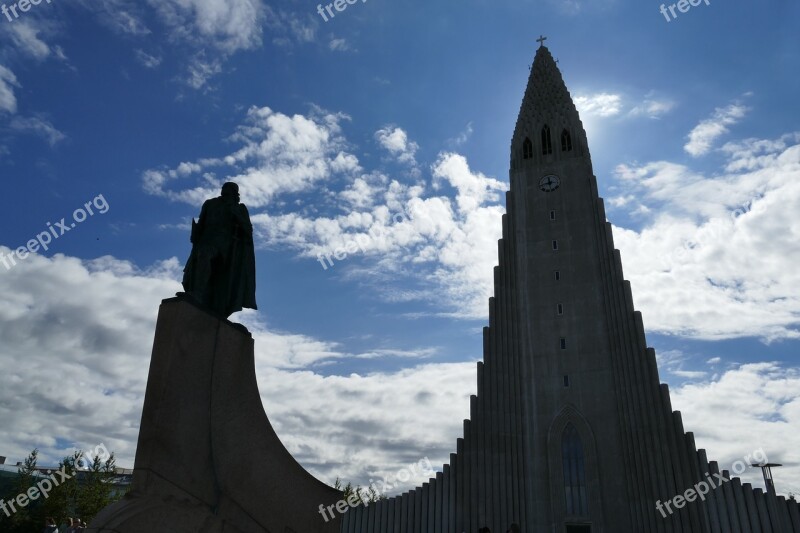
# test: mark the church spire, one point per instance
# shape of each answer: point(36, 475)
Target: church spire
point(548, 126)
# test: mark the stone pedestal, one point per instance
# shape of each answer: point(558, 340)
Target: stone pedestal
point(208, 459)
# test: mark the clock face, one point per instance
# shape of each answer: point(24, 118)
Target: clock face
point(549, 183)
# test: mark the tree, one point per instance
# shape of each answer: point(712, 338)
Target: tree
point(367, 496)
point(24, 518)
point(60, 503)
point(83, 492)
point(97, 488)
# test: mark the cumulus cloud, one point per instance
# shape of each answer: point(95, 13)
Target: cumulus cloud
point(715, 256)
point(395, 140)
point(91, 323)
point(713, 259)
point(450, 245)
point(749, 408)
point(600, 104)
point(605, 105)
point(702, 137)
point(228, 25)
point(277, 154)
point(85, 323)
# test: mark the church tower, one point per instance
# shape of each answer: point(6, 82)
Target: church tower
point(570, 430)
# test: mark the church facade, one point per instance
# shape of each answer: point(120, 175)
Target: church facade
point(571, 430)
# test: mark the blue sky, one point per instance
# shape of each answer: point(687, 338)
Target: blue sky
point(395, 118)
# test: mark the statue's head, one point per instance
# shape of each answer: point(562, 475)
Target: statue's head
point(230, 190)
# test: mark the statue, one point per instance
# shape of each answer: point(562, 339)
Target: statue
point(221, 270)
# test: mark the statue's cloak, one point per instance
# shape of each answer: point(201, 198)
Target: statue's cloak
point(222, 242)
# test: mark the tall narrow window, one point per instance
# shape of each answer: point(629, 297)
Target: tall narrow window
point(527, 149)
point(566, 141)
point(566, 381)
point(574, 473)
point(547, 145)
point(560, 309)
point(563, 343)
point(558, 275)
point(552, 215)
point(555, 245)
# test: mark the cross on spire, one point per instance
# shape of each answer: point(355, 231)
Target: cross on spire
point(541, 40)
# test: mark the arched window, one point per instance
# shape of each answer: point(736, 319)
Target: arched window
point(547, 146)
point(566, 141)
point(527, 149)
point(574, 473)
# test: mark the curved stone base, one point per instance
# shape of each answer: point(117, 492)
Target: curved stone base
point(208, 459)
point(148, 513)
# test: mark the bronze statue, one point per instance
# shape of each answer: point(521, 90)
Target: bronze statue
point(221, 270)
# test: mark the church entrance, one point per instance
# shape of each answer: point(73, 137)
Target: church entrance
point(578, 528)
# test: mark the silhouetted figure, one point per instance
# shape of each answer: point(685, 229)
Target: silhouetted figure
point(50, 526)
point(221, 270)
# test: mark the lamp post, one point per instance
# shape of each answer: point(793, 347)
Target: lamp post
point(766, 469)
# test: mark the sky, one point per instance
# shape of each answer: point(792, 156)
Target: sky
point(388, 125)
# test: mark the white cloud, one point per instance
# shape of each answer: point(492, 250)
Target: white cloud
point(148, 60)
point(653, 108)
point(395, 141)
point(122, 16)
point(600, 104)
point(462, 137)
point(748, 408)
point(288, 29)
point(673, 361)
point(91, 323)
point(38, 126)
point(85, 325)
point(278, 154)
point(200, 69)
point(25, 36)
point(702, 137)
point(716, 256)
point(339, 45)
point(451, 246)
point(752, 154)
point(605, 105)
point(8, 101)
point(228, 25)
point(473, 189)
point(362, 191)
point(213, 30)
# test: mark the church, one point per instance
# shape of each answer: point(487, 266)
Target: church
point(571, 430)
